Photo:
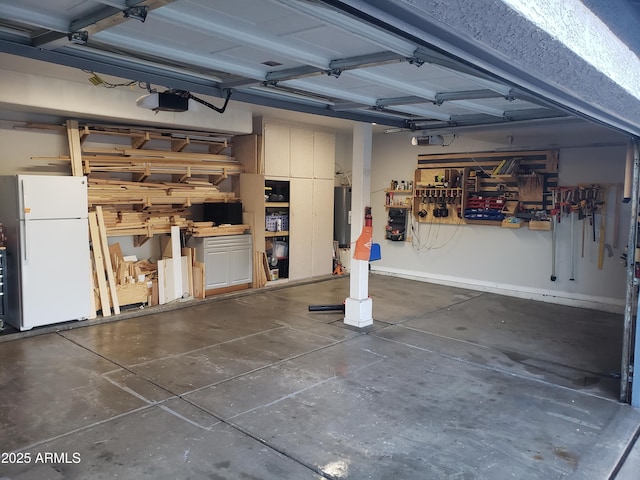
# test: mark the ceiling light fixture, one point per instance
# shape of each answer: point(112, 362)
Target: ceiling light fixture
point(137, 13)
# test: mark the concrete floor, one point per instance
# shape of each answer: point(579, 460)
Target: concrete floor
point(447, 384)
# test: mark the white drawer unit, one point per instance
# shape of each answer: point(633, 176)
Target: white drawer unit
point(228, 260)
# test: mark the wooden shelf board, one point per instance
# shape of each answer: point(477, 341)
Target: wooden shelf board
point(276, 204)
point(276, 234)
point(495, 223)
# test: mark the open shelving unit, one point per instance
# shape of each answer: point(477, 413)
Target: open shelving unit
point(398, 205)
point(276, 211)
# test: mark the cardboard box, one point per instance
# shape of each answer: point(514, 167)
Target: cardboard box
point(506, 224)
point(540, 225)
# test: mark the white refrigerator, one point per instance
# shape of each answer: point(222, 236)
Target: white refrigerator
point(48, 258)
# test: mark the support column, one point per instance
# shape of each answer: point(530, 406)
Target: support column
point(359, 307)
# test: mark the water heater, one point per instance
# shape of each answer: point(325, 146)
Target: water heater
point(342, 216)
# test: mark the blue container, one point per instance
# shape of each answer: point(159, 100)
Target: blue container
point(375, 252)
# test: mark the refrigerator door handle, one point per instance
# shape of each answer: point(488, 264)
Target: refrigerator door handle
point(23, 215)
point(25, 246)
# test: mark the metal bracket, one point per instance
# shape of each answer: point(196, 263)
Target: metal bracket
point(79, 38)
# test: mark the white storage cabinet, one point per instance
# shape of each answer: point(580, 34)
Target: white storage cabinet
point(228, 260)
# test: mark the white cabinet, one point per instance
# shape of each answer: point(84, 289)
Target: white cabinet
point(228, 260)
point(304, 158)
point(311, 231)
point(301, 229)
point(324, 155)
point(277, 141)
point(301, 153)
point(295, 152)
point(322, 241)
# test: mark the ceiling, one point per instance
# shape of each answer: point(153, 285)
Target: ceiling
point(300, 55)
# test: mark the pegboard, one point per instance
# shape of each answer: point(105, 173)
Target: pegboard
point(518, 181)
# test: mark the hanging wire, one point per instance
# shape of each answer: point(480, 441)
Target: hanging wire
point(98, 81)
point(430, 244)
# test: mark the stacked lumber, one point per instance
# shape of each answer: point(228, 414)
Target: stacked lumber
point(208, 229)
point(131, 277)
point(127, 220)
point(121, 192)
point(145, 166)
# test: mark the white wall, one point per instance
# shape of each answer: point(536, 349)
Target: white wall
point(34, 92)
point(20, 145)
point(344, 158)
point(507, 261)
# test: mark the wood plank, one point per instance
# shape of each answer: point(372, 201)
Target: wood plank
point(266, 267)
point(75, 148)
point(107, 260)
point(256, 274)
point(163, 154)
point(99, 265)
point(199, 280)
point(616, 214)
point(221, 230)
point(92, 299)
point(154, 293)
point(186, 268)
point(120, 160)
point(480, 155)
point(190, 254)
point(177, 263)
point(165, 279)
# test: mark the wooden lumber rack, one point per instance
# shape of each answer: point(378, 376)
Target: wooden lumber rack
point(146, 180)
point(146, 194)
point(178, 140)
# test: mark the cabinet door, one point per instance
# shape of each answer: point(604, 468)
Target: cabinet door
point(301, 153)
point(322, 242)
point(324, 155)
point(276, 150)
point(217, 268)
point(300, 228)
point(241, 265)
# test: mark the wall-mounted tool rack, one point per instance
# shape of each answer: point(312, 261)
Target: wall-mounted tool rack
point(438, 195)
point(483, 187)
